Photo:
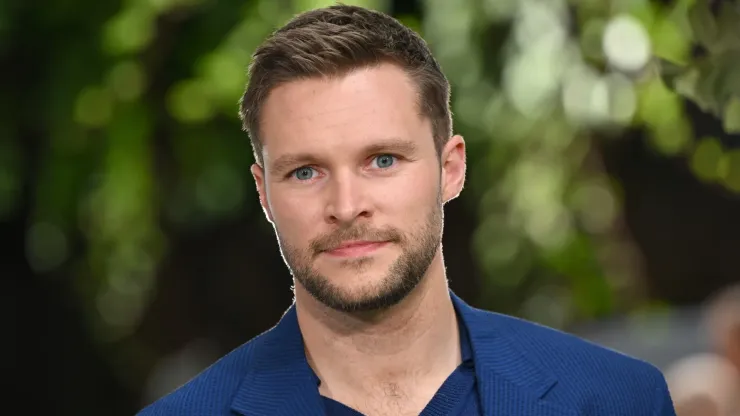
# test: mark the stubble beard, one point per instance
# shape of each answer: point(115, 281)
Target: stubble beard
point(402, 277)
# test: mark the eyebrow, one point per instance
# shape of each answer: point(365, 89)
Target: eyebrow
point(285, 162)
point(389, 145)
point(392, 145)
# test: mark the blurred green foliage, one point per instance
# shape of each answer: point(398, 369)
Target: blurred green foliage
point(141, 134)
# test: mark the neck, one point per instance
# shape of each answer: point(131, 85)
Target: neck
point(359, 354)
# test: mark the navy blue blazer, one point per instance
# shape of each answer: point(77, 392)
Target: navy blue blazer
point(522, 368)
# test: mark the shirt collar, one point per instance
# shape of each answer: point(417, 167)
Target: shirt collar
point(466, 349)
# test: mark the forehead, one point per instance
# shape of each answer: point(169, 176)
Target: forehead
point(342, 112)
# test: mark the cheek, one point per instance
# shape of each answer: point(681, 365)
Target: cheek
point(295, 217)
point(410, 195)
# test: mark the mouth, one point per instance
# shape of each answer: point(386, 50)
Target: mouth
point(356, 248)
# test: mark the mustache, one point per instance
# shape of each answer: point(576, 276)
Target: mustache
point(334, 239)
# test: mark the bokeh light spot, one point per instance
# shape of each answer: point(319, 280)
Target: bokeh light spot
point(626, 43)
point(188, 101)
point(130, 30)
point(127, 80)
point(46, 247)
point(596, 206)
point(94, 107)
point(706, 158)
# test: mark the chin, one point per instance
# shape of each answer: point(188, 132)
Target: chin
point(348, 287)
point(357, 294)
point(359, 284)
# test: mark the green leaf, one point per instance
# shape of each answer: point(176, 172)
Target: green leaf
point(730, 170)
point(689, 82)
point(706, 158)
point(670, 42)
point(670, 72)
point(728, 27)
point(685, 85)
point(731, 115)
point(703, 24)
point(705, 86)
point(725, 81)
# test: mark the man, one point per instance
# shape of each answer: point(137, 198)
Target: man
point(722, 319)
point(704, 384)
point(348, 114)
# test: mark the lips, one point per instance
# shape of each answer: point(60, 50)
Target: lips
point(356, 248)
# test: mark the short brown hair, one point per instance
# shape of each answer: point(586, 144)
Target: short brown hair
point(333, 41)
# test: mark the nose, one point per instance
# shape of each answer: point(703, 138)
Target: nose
point(347, 200)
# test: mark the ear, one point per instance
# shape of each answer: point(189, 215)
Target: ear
point(453, 168)
point(259, 179)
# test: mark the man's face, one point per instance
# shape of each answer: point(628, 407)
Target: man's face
point(354, 186)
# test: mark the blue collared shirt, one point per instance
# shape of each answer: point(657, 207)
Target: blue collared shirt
point(457, 396)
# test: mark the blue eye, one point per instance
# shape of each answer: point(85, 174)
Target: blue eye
point(303, 174)
point(384, 161)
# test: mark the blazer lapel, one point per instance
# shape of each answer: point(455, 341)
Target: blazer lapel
point(509, 383)
point(280, 381)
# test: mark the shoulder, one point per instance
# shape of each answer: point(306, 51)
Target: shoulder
point(211, 391)
point(589, 377)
